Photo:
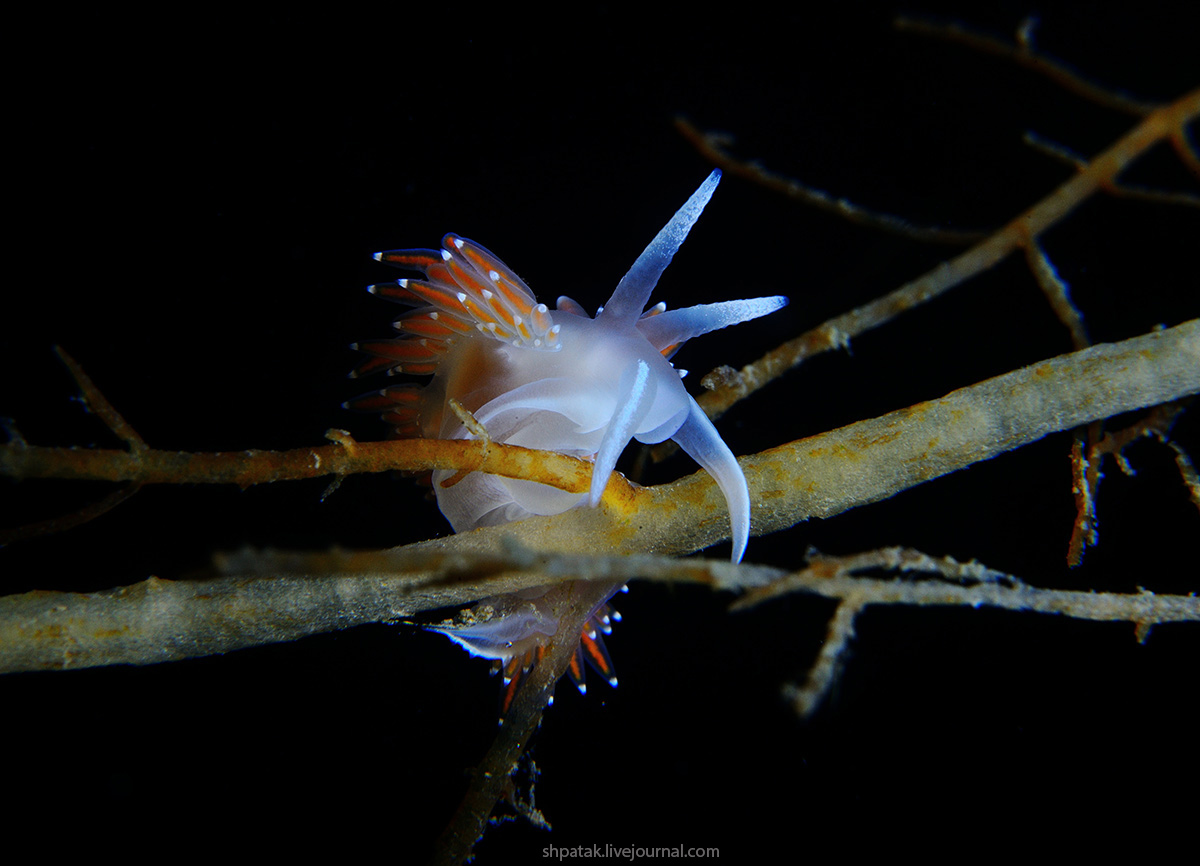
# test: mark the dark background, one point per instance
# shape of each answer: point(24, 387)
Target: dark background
point(196, 201)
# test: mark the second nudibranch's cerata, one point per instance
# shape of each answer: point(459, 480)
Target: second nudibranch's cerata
point(556, 380)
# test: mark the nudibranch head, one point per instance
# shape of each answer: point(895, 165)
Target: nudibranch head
point(556, 380)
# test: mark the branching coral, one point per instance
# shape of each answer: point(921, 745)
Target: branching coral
point(266, 597)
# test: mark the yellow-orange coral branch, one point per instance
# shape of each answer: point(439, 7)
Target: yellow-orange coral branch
point(1162, 123)
point(247, 468)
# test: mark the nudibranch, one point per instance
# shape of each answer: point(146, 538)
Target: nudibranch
point(514, 631)
point(556, 380)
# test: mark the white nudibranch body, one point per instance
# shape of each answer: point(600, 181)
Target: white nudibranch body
point(555, 380)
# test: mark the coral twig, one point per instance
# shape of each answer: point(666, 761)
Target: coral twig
point(712, 147)
point(1023, 54)
point(961, 584)
point(247, 468)
point(1057, 293)
point(1020, 233)
point(1085, 465)
point(523, 717)
point(99, 406)
point(64, 522)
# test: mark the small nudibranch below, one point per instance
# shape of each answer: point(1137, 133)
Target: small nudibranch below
point(556, 380)
point(515, 630)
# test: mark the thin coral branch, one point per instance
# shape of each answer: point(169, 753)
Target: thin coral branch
point(1112, 187)
point(1057, 293)
point(98, 404)
point(821, 476)
point(1156, 425)
point(1186, 151)
point(1153, 196)
point(64, 522)
point(961, 584)
point(1055, 149)
point(1085, 475)
point(1019, 233)
point(143, 465)
point(247, 468)
point(102, 409)
point(806, 697)
point(491, 777)
point(712, 147)
point(1023, 54)
point(1086, 461)
point(1187, 471)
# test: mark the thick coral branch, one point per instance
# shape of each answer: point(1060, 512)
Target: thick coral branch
point(821, 476)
